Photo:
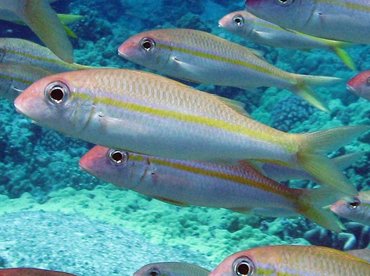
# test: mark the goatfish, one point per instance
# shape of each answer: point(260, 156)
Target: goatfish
point(357, 209)
point(292, 260)
point(344, 20)
point(250, 27)
point(31, 272)
point(360, 85)
point(20, 51)
point(43, 21)
point(14, 78)
point(281, 173)
point(171, 269)
point(205, 58)
point(143, 112)
point(240, 188)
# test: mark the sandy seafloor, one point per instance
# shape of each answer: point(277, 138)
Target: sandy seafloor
point(53, 215)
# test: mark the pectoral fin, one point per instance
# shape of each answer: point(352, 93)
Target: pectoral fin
point(42, 19)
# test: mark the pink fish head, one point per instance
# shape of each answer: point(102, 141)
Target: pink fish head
point(241, 263)
point(112, 166)
point(360, 85)
point(346, 209)
point(53, 102)
point(239, 22)
point(149, 49)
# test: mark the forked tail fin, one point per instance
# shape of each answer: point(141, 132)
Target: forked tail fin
point(312, 157)
point(303, 88)
point(311, 203)
point(345, 57)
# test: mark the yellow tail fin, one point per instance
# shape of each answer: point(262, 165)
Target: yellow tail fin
point(345, 57)
point(312, 156)
point(42, 19)
point(311, 203)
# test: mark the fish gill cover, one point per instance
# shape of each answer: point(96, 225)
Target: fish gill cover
point(40, 179)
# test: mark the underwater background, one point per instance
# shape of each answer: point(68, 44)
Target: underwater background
point(53, 215)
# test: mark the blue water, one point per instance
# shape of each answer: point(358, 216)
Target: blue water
point(40, 180)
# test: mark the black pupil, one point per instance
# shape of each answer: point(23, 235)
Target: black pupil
point(117, 156)
point(243, 269)
point(355, 204)
point(237, 20)
point(147, 44)
point(154, 273)
point(57, 94)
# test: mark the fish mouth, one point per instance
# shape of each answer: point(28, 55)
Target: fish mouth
point(122, 54)
point(351, 88)
point(220, 25)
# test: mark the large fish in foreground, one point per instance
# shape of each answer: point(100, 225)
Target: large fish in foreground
point(171, 269)
point(147, 113)
point(31, 272)
point(20, 51)
point(357, 209)
point(43, 21)
point(205, 58)
point(240, 188)
point(248, 26)
point(292, 260)
point(345, 20)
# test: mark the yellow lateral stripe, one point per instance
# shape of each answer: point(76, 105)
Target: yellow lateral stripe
point(181, 117)
point(5, 77)
point(217, 174)
point(54, 61)
point(222, 59)
point(351, 6)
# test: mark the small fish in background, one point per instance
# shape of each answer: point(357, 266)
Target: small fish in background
point(205, 58)
point(14, 78)
point(31, 272)
point(171, 269)
point(43, 21)
point(240, 188)
point(21, 51)
point(281, 173)
point(292, 260)
point(361, 253)
point(356, 210)
point(250, 27)
point(112, 107)
point(360, 85)
point(342, 20)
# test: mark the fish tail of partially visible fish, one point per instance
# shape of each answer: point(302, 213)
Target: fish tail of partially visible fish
point(42, 19)
point(345, 57)
point(311, 203)
point(312, 157)
point(304, 84)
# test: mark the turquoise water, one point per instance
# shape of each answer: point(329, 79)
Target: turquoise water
point(55, 216)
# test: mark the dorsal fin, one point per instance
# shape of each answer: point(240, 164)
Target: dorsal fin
point(235, 105)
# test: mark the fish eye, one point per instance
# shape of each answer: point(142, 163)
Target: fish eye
point(285, 2)
point(118, 157)
point(238, 20)
point(243, 267)
point(354, 204)
point(57, 92)
point(147, 44)
point(154, 272)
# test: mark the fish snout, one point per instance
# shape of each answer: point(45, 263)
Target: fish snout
point(127, 48)
point(90, 161)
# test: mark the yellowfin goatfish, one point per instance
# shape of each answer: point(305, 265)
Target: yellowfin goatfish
point(171, 269)
point(43, 20)
point(281, 173)
point(292, 260)
point(14, 78)
point(248, 26)
point(240, 188)
point(357, 209)
point(345, 20)
point(31, 272)
point(143, 112)
point(205, 58)
point(14, 50)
